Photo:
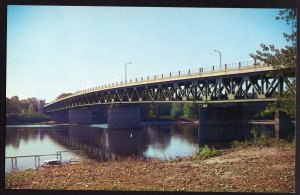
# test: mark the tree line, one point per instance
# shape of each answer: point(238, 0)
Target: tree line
point(23, 111)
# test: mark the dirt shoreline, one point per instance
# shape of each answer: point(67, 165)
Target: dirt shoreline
point(248, 169)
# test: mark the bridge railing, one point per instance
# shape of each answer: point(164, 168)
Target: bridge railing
point(198, 71)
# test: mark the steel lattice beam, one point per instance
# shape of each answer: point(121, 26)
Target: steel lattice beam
point(250, 86)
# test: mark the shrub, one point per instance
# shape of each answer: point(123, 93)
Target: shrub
point(207, 152)
point(265, 140)
point(237, 144)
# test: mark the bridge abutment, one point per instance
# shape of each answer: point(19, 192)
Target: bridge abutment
point(79, 116)
point(124, 117)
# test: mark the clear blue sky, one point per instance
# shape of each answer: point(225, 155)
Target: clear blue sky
point(52, 49)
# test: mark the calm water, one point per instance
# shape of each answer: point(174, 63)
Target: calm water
point(153, 141)
point(98, 142)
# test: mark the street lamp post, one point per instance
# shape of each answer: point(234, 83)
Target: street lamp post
point(220, 57)
point(126, 71)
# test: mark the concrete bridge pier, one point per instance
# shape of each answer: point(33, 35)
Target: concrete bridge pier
point(221, 123)
point(80, 116)
point(283, 125)
point(124, 117)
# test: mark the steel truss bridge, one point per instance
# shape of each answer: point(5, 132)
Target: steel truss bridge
point(234, 83)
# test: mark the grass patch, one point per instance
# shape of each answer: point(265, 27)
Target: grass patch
point(208, 152)
point(264, 141)
point(241, 144)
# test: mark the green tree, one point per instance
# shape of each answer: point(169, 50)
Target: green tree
point(12, 105)
point(176, 110)
point(8, 106)
point(159, 109)
point(284, 61)
point(152, 110)
point(63, 95)
point(34, 102)
point(190, 110)
point(20, 111)
point(24, 105)
point(31, 110)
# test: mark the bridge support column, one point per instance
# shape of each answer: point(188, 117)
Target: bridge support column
point(124, 117)
point(80, 116)
point(60, 116)
point(221, 123)
point(283, 125)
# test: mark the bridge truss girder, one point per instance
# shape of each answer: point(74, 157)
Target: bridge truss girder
point(229, 88)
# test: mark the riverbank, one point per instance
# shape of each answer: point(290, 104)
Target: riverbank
point(25, 118)
point(243, 168)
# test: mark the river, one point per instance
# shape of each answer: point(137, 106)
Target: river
point(154, 140)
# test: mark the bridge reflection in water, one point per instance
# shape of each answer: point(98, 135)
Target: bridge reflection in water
point(153, 141)
point(161, 141)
